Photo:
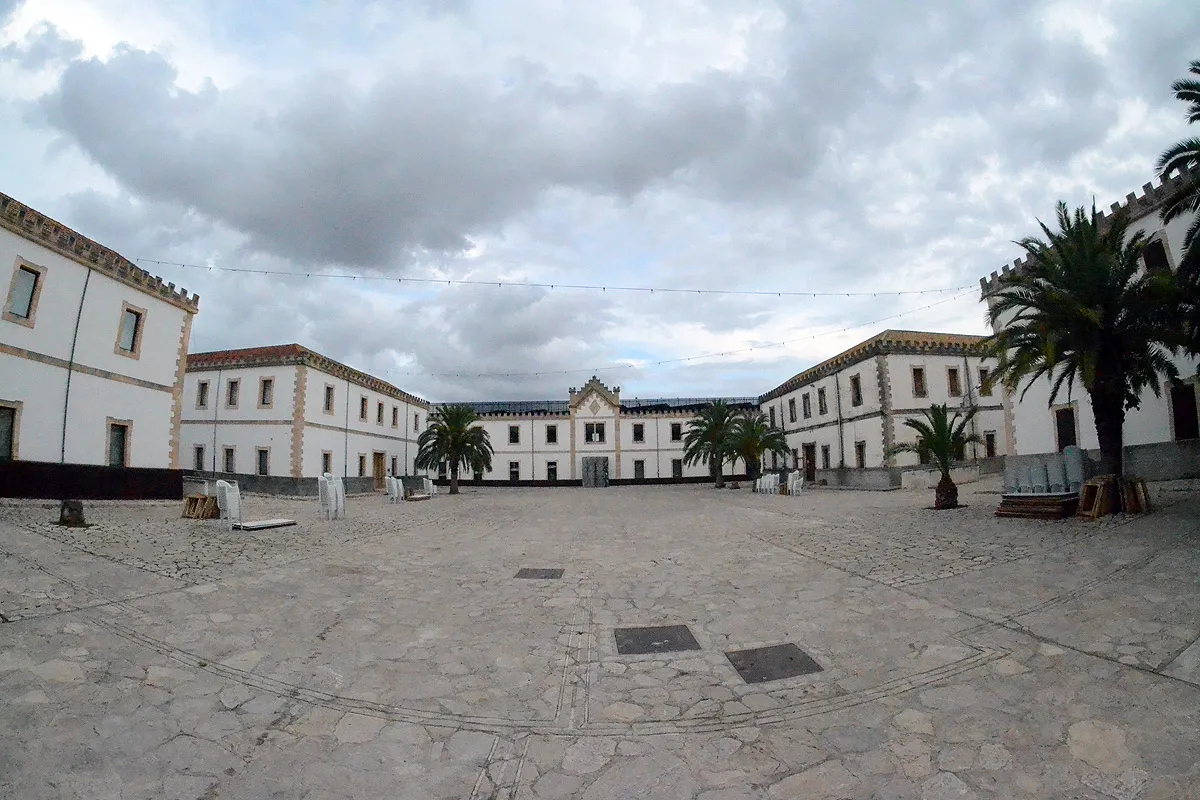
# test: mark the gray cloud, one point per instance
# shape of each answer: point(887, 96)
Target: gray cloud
point(43, 46)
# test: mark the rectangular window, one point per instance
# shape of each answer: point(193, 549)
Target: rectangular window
point(232, 389)
point(676, 467)
point(379, 413)
point(989, 444)
point(514, 434)
point(676, 431)
point(551, 470)
point(639, 432)
point(593, 432)
point(551, 434)
point(362, 407)
point(795, 458)
point(822, 407)
point(263, 457)
point(362, 465)
point(441, 470)
point(855, 390)
point(918, 382)
point(326, 461)
point(985, 382)
point(395, 416)
point(953, 384)
point(639, 470)
point(1154, 255)
point(23, 294)
point(328, 400)
point(791, 409)
point(198, 458)
point(129, 338)
point(266, 392)
point(824, 456)
point(230, 460)
point(860, 454)
point(395, 463)
point(202, 394)
point(1184, 417)
point(806, 403)
point(416, 422)
point(772, 411)
point(774, 460)
point(514, 471)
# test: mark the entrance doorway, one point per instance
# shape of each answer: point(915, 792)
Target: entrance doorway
point(1064, 426)
point(810, 463)
point(1183, 412)
point(595, 472)
point(379, 472)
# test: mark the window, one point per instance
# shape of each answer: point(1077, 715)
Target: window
point(855, 390)
point(806, 403)
point(860, 454)
point(118, 443)
point(551, 470)
point(795, 458)
point(23, 294)
point(822, 406)
point(824, 456)
point(395, 416)
point(772, 410)
point(326, 461)
point(953, 384)
point(1184, 416)
point(129, 335)
point(416, 422)
point(676, 467)
point(230, 460)
point(985, 382)
point(1064, 427)
point(551, 434)
point(328, 400)
point(263, 458)
point(639, 432)
point(918, 381)
point(379, 413)
point(1154, 256)
point(791, 409)
point(362, 465)
point(232, 389)
point(266, 392)
point(676, 431)
point(202, 394)
point(639, 470)
point(198, 458)
point(774, 460)
point(989, 444)
point(514, 434)
point(441, 470)
point(362, 408)
point(395, 463)
point(594, 432)
point(514, 471)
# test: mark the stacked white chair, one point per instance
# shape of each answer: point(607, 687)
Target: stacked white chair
point(339, 496)
point(229, 502)
point(430, 489)
point(331, 494)
point(796, 483)
point(393, 490)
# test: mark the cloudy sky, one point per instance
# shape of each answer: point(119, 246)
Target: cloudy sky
point(823, 146)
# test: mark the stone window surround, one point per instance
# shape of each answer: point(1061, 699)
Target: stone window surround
point(228, 464)
point(950, 388)
point(825, 453)
point(1159, 236)
point(791, 409)
point(364, 407)
point(258, 451)
point(806, 404)
point(676, 431)
point(202, 392)
point(138, 336)
point(362, 465)
point(639, 432)
point(330, 399)
point(235, 395)
point(822, 402)
point(551, 434)
point(986, 376)
point(264, 383)
point(1054, 409)
point(919, 369)
point(856, 394)
point(109, 422)
point(198, 459)
point(860, 454)
point(1192, 381)
point(514, 470)
point(326, 461)
point(416, 422)
point(551, 467)
point(41, 271)
point(514, 434)
point(16, 406)
point(379, 412)
point(597, 427)
point(395, 464)
point(995, 449)
point(395, 416)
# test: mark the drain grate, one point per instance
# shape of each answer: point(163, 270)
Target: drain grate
point(658, 639)
point(774, 663)
point(539, 573)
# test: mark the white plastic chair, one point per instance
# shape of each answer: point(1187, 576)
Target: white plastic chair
point(339, 498)
point(430, 489)
point(796, 483)
point(393, 489)
point(325, 495)
point(229, 501)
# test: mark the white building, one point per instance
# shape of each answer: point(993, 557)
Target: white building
point(594, 432)
point(92, 350)
point(1162, 435)
point(842, 415)
point(287, 412)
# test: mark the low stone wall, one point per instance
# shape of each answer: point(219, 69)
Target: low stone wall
point(206, 482)
point(877, 478)
point(1163, 461)
point(928, 478)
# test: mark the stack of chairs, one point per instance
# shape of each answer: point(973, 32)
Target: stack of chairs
point(394, 491)
point(331, 495)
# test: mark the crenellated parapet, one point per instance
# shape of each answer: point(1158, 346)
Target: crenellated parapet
point(53, 235)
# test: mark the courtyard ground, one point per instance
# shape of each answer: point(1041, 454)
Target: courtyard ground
point(395, 655)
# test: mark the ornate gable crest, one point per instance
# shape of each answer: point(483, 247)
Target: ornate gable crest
point(598, 394)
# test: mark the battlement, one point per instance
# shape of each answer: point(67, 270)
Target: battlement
point(1135, 206)
point(53, 235)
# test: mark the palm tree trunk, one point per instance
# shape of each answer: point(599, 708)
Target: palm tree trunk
point(1108, 407)
point(714, 469)
point(946, 493)
point(453, 480)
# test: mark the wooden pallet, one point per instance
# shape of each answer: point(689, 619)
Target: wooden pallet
point(1096, 497)
point(200, 506)
point(1025, 506)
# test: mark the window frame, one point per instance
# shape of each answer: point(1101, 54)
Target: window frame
point(362, 465)
point(326, 461)
point(236, 384)
point(378, 412)
point(856, 392)
point(514, 471)
point(40, 273)
point(266, 386)
point(676, 431)
point(791, 409)
point(364, 408)
point(639, 433)
point(259, 452)
point(985, 381)
point(552, 466)
point(127, 424)
point(822, 402)
point(139, 333)
point(989, 444)
point(229, 459)
point(919, 369)
point(806, 405)
point(596, 427)
point(395, 465)
point(329, 401)
point(514, 434)
point(860, 454)
point(954, 376)
point(826, 456)
point(676, 467)
point(552, 434)
point(202, 393)
point(198, 457)
point(16, 406)
point(395, 416)
point(1157, 238)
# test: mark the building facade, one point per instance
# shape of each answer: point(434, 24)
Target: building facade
point(92, 349)
point(843, 415)
point(1162, 435)
point(288, 412)
point(593, 432)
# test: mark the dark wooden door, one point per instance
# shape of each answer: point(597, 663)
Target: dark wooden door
point(1064, 422)
point(1183, 410)
point(810, 463)
point(595, 471)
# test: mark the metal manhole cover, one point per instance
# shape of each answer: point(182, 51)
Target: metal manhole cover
point(773, 663)
point(658, 639)
point(539, 573)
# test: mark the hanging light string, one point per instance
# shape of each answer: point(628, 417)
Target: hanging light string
point(535, 285)
point(666, 361)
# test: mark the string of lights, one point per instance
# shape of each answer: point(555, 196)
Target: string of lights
point(536, 285)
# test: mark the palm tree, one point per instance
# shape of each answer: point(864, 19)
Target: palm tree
point(454, 438)
point(942, 438)
point(1082, 310)
point(708, 439)
point(1184, 156)
point(752, 437)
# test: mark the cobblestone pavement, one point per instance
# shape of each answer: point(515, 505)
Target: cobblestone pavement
point(394, 654)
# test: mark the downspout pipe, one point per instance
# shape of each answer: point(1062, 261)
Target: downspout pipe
point(215, 398)
point(837, 393)
point(346, 438)
point(62, 453)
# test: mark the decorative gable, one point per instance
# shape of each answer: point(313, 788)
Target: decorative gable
point(595, 398)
